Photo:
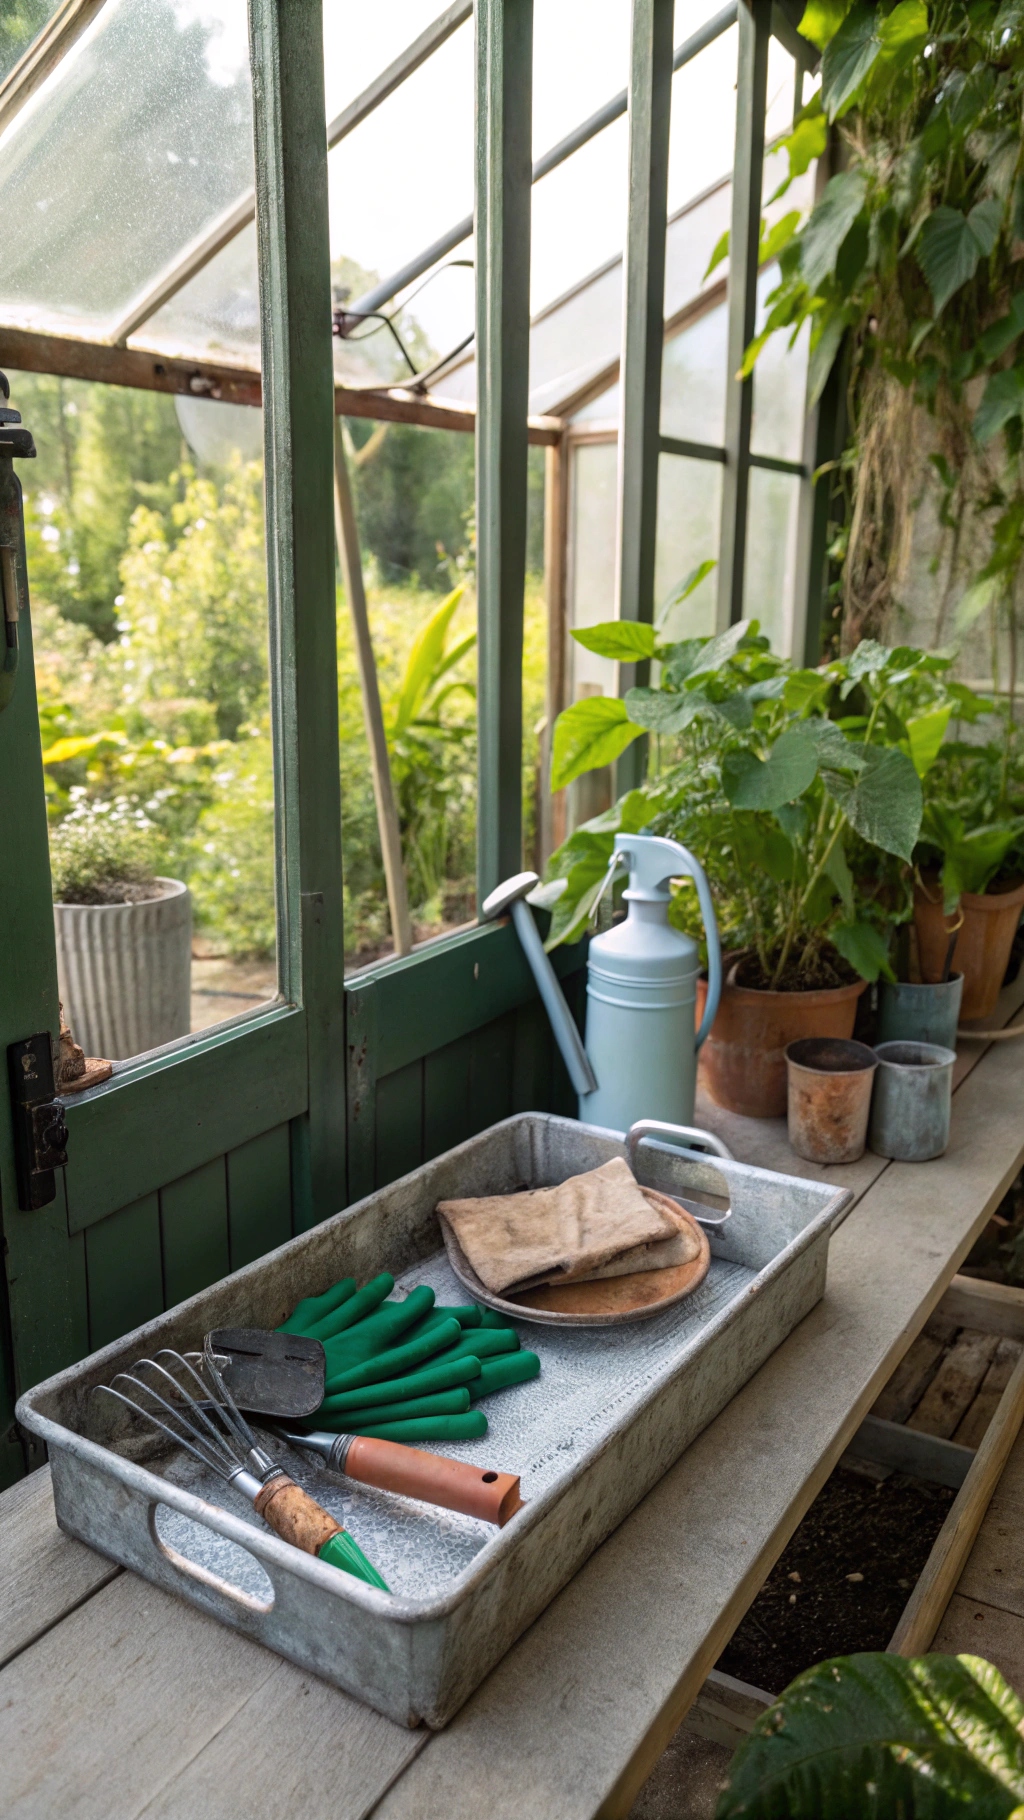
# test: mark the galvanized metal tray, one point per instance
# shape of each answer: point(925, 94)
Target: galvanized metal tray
point(611, 1412)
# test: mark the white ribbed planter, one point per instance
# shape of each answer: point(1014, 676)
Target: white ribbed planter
point(125, 971)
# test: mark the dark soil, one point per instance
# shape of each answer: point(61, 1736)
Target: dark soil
point(824, 971)
point(844, 1579)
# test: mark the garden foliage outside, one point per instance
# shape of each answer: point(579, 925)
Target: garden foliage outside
point(150, 627)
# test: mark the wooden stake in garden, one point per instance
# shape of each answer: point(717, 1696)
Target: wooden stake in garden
point(349, 555)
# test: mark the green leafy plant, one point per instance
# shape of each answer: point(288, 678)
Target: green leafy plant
point(432, 750)
point(98, 856)
point(932, 1737)
point(970, 858)
point(910, 261)
point(799, 790)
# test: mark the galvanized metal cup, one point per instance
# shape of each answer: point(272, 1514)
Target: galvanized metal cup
point(912, 1100)
point(926, 1013)
point(829, 1097)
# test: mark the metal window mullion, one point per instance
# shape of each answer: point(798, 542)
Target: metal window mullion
point(748, 165)
point(643, 332)
point(298, 397)
point(504, 108)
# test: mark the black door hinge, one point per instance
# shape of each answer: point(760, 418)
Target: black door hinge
point(40, 1133)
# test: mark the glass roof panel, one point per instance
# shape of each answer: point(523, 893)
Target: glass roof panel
point(703, 129)
point(579, 215)
point(20, 26)
point(404, 177)
point(137, 141)
point(580, 61)
point(217, 314)
point(361, 41)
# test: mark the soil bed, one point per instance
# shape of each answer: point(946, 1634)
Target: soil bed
point(810, 1607)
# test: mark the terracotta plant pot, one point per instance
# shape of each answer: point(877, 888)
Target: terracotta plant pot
point(743, 1063)
point(982, 951)
point(830, 1085)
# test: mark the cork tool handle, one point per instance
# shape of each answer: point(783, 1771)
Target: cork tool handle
point(294, 1515)
point(297, 1518)
point(454, 1484)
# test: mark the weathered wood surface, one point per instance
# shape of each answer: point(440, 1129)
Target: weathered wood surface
point(924, 1609)
point(43, 1574)
point(174, 1708)
point(955, 1384)
point(994, 1307)
point(970, 1431)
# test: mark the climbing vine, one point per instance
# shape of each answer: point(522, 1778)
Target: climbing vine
point(909, 271)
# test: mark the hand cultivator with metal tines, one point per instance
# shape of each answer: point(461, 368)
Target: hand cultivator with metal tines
point(186, 1398)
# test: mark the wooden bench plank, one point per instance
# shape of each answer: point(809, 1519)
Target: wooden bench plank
point(992, 1307)
point(137, 1696)
point(955, 1384)
point(43, 1574)
point(970, 1431)
point(570, 1723)
point(911, 1379)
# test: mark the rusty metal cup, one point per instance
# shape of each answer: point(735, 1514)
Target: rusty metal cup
point(830, 1081)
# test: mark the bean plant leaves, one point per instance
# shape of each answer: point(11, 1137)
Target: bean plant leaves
point(838, 870)
point(884, 803)
point(822, 19)
point(582, 864)
point(750, 782)
point(629, 641)
point(1002, 399)
point(759, 846)
point(661, 711)
point(835, 751)
point(848, 58)
point(831, 221)
point(925, 734)
point(865, 948)
point(717, 650)
point(878, 1734)
point(950, 245)
point(826, 339)
point(590, 733)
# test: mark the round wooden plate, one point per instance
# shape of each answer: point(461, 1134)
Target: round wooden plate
point(608, 1302)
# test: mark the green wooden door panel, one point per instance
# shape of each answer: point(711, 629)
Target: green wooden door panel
point(194, 1231)
point(447, 1118)
point(490, 1081)
point(399, 1123)
point(361, 1089)
point(131, 1137)
point(125, 1270)
point(259, 1196)
point(432, 998)
point(35, 1244)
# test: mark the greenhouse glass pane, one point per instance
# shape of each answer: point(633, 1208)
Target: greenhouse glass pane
point(361, 41)
point(591, 553)
point(693, 380)
point(149, 620)
point(217, 314)
point(137, 142)
point(703, 131)
point(781, 91)
point(20, 26)
point(780, 385)
point(770, 581)
point(401, 180)
point(579, 217)
point(603, 409)
point(689, 510)
point(580, 61)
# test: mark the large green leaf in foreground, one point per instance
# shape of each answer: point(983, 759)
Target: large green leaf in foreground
point(878, 1737)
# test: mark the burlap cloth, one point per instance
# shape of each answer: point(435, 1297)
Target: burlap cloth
point(598, 1224)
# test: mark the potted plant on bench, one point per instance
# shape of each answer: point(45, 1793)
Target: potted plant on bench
point(799, 791)
point(124, 936)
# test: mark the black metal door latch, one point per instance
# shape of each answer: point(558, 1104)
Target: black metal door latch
point(40, 1133)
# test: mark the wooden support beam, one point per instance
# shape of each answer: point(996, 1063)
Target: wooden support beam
point(503, 172)
point(28, 351)
point(643, 320)
point(295, 304)
point(346, 532)
point(990, 1307)
point(748, 165)
point(920, 1456)
point(553, 825)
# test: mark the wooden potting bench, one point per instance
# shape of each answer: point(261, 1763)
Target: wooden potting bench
point(117, 1700)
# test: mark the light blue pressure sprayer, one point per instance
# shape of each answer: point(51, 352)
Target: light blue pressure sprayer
point(640, 1059)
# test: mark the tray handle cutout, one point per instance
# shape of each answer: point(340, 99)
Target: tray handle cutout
point(702, 1202)
point(223, 1553)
